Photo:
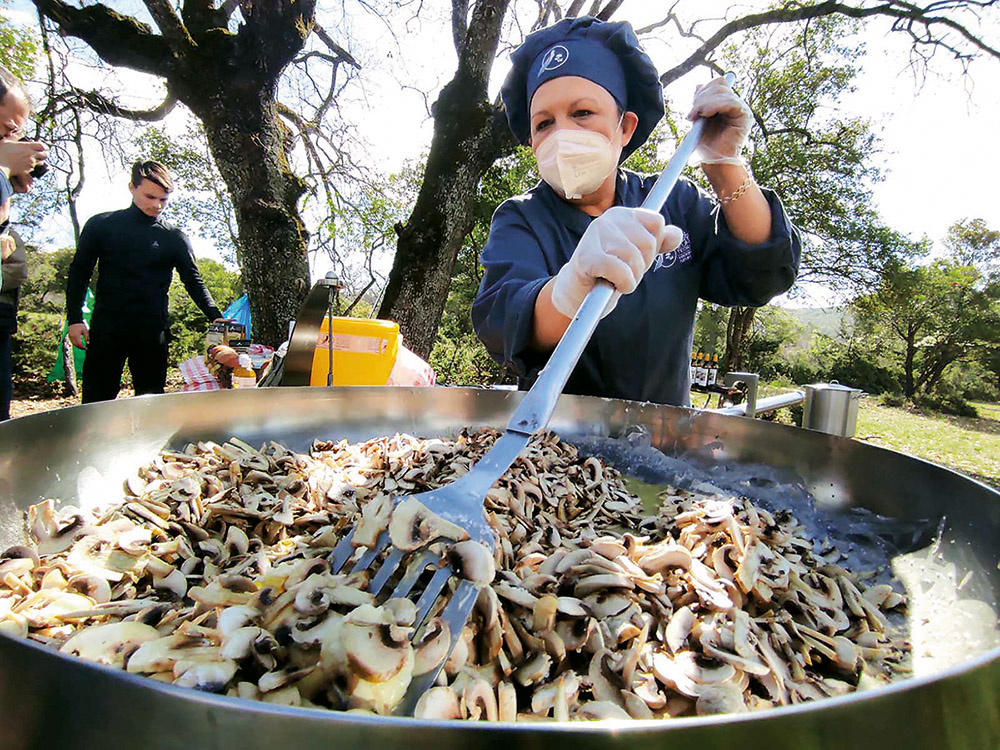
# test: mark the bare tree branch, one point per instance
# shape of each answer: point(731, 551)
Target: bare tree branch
point(339, 51)
point(459, 23)
point(908, 18)
point(97, 102)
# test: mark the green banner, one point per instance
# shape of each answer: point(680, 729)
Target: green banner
point(58, 373)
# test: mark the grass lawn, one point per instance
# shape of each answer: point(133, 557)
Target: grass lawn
point(971, 446)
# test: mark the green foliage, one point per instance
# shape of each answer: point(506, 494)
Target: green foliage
point(772, 329)
point(200, 202)
point(972, 243)
point(458, 357)
point(947, 402)
point(937, 314)
point(710, 329)
point(45, 289)
point(864, 363)
point(18, 47)
point(34, 351)
point(820, 162)
point(187, 323)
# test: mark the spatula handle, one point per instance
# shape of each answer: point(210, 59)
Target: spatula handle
point(535, 409)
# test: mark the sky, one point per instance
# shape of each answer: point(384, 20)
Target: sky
point(940, 156)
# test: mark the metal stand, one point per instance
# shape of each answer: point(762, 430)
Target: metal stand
point(333, 286)
point(322, 301)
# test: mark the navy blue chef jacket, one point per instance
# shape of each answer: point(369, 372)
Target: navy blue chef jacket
point(642, 350)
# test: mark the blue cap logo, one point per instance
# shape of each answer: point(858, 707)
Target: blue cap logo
point(556, 57)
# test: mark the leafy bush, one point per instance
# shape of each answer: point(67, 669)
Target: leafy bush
point(894, 400)
point(972, 380)
point(947, 403)
point(858, 364)
point(187, 323)
point(34, 351)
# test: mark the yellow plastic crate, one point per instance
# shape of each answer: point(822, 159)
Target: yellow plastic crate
point(364, 351)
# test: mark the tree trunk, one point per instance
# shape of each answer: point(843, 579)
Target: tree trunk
point(740, 320)
point(229, 80)
point(246, 139)
point(911, 353)
point(469, 134)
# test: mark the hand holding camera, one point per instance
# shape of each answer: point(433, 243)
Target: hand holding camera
point(24, 160)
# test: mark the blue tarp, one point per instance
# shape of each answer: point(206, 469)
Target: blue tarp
point(240, 312)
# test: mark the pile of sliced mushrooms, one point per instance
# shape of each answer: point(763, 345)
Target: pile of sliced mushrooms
point(212, 572)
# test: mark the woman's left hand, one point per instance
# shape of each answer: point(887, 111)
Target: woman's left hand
point(728, 126)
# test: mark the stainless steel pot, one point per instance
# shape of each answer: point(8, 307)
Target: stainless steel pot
point(81, 454)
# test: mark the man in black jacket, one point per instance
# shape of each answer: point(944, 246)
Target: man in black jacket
point(135, 254)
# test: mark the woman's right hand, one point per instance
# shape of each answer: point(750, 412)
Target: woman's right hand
point(619, 246)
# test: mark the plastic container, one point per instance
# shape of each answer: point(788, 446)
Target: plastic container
point(831, 408)
point(364, 352)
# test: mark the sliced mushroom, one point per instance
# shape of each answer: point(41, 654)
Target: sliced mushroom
point(433, 647)
point(438, 703)
point(413, 526)
point(373, 650)
point(472, 561)
point(110, 644)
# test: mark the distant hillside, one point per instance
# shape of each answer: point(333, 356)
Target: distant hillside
point(824, 320)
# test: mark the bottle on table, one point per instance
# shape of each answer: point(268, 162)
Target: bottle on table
point(702, 370)
point(713, 371)
point(243, 374)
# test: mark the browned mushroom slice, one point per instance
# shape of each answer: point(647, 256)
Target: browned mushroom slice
point(374, 520)
point(479, 701)
point(375, 649)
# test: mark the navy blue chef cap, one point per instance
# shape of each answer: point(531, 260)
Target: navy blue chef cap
point(604, 52)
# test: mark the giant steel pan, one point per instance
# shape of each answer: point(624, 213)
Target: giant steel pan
point(81, 454)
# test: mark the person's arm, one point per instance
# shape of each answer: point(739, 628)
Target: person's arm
point(619, 246)
point(15, 261)
point(734, 272)
point(187, 269)
point(515, 270)
point(78, 277)
point(727, 127)
point(6, 191)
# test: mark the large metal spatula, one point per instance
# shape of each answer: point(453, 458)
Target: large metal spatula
point(461, 502)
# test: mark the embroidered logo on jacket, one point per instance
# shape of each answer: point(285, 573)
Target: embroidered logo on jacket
point(155, 245)
point(681, 255)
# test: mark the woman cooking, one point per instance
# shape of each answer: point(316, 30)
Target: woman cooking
point(584, 96)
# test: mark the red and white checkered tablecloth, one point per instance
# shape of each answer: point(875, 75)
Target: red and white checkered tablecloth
point(196, 376)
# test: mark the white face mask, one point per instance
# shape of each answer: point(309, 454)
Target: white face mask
point(576, 162)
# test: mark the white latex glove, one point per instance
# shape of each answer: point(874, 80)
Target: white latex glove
point(724, 136)
point(620, 246)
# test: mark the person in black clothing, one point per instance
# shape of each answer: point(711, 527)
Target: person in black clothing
point(135, 254)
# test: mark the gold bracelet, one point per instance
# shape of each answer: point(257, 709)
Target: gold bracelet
point(746, 185)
